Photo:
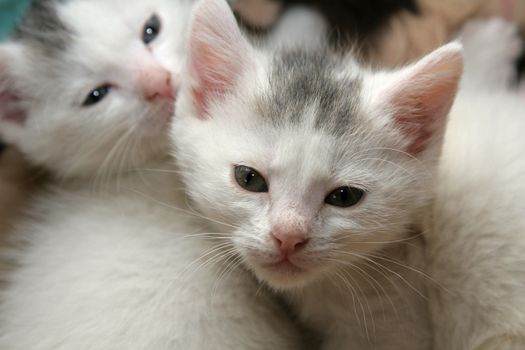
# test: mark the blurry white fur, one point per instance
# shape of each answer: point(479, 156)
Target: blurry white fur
point(491, 48)
point(476, 229)
point(130, 269)
point(111, 256)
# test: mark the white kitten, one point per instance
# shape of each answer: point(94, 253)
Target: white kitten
point(323, 170)
point(132, 267)
point(87, 87)
point(475, 232)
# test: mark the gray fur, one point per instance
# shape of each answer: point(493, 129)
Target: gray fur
point(303, 79)
point(42, 27)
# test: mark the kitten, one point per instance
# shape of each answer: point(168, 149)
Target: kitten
point(475, 230)
point(322, 169)
point(130, 267)
point(77, 93)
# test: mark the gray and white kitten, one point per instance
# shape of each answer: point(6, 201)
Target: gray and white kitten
point(87, 87)
point(323, 169)
point(85, 92)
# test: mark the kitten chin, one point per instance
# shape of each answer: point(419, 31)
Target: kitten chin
point(286, 274)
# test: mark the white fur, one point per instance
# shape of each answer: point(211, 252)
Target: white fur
point(358, 281)
point(491, 49)
point(475, 243)
point(476, 238)
point(128, 270)
point(129, 266)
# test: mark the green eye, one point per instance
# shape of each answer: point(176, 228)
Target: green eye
point(151, 29)
point(344, 197)
point(97, 95)
point(250, 179)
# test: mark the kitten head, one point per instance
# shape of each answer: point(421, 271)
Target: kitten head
point(315, 162)
point(88, 86)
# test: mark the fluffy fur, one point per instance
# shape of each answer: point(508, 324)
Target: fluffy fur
point(309, 122)
point(130, 269)
point(476, 243)
point(132, 266)
point(490, 69)
point(475, 229)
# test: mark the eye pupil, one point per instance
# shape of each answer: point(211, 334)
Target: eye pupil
point(249, 179)
point(345, 197)
point(97, 95)
point(151, 29)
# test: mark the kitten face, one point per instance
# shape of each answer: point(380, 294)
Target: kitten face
point(294, 233)
point(92, 91)
point(312, 161)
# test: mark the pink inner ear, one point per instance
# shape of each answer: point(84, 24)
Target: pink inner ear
point(420, 116)
point(211, 72)
point(11, 108)
point(423, 96)
point(217, 53)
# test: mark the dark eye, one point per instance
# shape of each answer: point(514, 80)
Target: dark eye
point(344, 197)
point(151, 29)
point(250, 179)
point(97, 95)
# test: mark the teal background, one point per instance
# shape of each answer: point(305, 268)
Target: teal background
point(10, 13)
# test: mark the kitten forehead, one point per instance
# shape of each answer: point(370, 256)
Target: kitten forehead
point(301, 81)
point(42, 27)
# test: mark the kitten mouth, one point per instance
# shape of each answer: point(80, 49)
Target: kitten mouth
point(285, 273)
point(284, 266)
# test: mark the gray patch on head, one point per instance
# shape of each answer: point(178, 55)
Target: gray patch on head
point(41, 26)
point(301, 80)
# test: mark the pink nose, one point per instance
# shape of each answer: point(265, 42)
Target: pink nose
point(155, 83)
point(289, 241)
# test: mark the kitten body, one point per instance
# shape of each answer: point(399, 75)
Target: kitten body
point(276, 144)
point(110, 255)
point(475, 228)
point(475, 240)
point(130, 269)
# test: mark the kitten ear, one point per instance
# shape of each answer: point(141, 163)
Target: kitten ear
point(421, 95)
point(217, 53)
point(11, 108)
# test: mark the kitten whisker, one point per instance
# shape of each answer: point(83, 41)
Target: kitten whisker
point(403, 240)
point(226, 271)
point(191, 213)
point(349, 285)
point(408, 267)
point(360, 256)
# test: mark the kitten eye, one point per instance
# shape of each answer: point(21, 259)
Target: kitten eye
point(345, 197)
point(250, 179)
point(151, 29)
point(97, 95)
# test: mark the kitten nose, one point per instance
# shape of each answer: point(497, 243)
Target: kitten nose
point(289, 240)
point(156, 82)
